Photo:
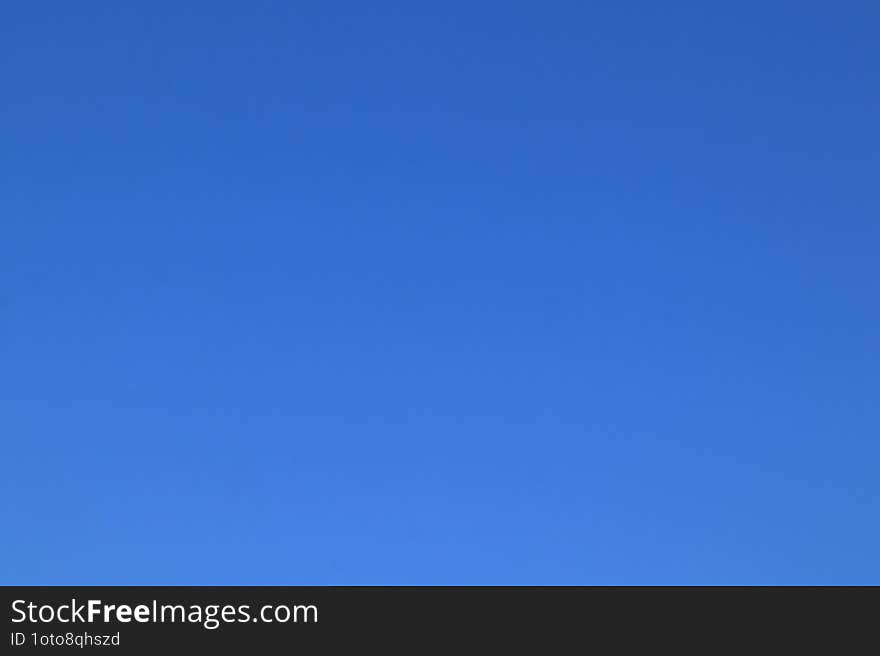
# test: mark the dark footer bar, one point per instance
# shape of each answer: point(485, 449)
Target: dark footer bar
point(123, 620)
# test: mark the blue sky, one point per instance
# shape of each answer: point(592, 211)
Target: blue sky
point(433, 293)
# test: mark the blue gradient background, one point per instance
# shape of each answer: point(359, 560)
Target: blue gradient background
point(441, 292)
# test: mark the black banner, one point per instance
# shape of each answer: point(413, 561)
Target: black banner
point(124, 620)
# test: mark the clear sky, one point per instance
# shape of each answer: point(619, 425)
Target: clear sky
point(439, 292)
